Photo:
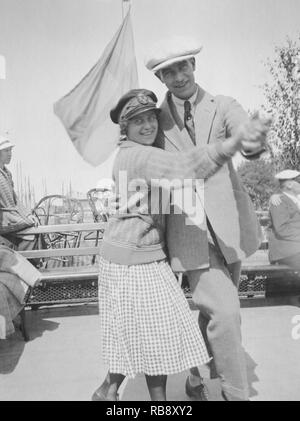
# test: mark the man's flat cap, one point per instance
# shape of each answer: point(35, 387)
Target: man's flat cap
point(287, 175)
point(171, 50)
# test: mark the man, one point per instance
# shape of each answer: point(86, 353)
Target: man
point(13, 215)
point(284, 236)
point(209, 253)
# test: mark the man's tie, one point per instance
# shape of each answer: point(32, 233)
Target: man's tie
point(189, 121)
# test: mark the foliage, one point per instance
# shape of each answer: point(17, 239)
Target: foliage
point(282, 95)
point(258, 179)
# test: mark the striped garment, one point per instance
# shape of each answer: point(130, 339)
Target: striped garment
point(13, 215)
point(146, 323)
point(8, 198)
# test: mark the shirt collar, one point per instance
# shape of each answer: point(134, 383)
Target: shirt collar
point(180, 102)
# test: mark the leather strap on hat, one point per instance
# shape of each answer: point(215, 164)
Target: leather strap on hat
point(136, 105)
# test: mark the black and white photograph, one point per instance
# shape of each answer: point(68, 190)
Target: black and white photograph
point(149, 203)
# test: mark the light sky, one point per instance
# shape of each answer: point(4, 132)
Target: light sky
point(49, 45)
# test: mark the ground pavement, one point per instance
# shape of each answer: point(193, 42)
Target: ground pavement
point(62, 361)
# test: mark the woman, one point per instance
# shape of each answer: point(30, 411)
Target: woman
point(147, 324)
point(13, 215)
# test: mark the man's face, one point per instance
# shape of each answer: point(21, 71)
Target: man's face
point(179, 78)
point(5, 156)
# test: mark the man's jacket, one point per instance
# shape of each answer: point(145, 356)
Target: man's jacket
point(284, 235)
point(226, 204)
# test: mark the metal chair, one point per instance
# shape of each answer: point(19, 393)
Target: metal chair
point(98, 199)
point(59, 209)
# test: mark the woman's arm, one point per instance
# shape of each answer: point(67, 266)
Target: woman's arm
point(197, 163)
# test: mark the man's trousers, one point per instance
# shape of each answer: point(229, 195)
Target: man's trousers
point(215, 293)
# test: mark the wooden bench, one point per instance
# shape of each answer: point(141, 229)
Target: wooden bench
point(262, 277)
point(78, 283)
point(272, 278)
point(277, 278)
point(73, 284)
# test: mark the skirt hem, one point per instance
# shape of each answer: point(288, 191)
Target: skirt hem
point(158, 372)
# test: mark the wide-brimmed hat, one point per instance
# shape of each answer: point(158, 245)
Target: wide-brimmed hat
point(134, 102)
point(5, 143)
point(287, 175)
point(171, 50)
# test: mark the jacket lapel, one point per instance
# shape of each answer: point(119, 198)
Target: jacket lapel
point(172, 126)
point(204, 115)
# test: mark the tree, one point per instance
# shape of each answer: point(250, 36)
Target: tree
point(258, 179)
point(283, 101)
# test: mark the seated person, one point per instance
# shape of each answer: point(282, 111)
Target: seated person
point(13, 215)
point(284, 236)
point(16, 276)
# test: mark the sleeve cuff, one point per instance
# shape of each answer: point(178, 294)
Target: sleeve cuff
point(253, 155)
point(217, 153)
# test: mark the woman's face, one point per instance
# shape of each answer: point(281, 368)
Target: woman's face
point(5, 156)
point(143, 128)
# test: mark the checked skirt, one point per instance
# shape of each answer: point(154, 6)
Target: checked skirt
point(146, 323)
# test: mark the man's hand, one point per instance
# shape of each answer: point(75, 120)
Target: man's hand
point(250, 136)
point(275, 200)
point(37, 282)
point(255, 134)
point(33, 219)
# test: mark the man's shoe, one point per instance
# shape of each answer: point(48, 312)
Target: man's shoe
point(236, 399)
point(199, 392)
point(98, 395)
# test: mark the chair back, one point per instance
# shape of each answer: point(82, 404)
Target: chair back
point(98, 199)
point(58, 209)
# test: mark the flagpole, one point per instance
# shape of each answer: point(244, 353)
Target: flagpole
point(123, 4)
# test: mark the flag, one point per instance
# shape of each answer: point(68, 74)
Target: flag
point(2, 67)
point(84, 111)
